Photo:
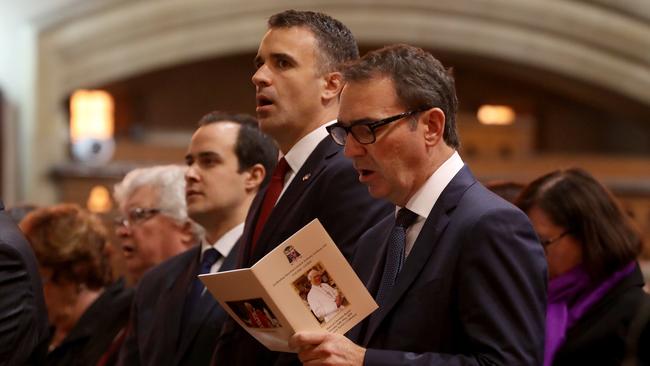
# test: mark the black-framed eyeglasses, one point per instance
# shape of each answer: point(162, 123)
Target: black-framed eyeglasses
point(547, 242)
point(135, 216)
point(364, 131)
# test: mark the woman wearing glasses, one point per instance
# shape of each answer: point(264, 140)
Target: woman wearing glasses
point(595, 286)
point(86, 310)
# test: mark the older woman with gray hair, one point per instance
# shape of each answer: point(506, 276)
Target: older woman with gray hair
point(153, 225)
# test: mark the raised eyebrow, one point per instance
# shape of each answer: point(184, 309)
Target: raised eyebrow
point(283, 56)
point(257, 61)
point(189, 158)
point(355, 122)
point(208, 154)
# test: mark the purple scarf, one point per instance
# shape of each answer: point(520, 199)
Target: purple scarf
point(569, 297)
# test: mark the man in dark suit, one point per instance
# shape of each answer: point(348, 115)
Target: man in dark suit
point(23, 318)
point(458, 273)
point(297, 89)
point(175, 321)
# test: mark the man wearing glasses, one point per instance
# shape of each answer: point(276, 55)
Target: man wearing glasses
point(153, 225)
point(458, 273)
point(174, 320)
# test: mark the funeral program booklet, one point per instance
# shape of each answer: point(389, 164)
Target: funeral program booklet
point(303, 284)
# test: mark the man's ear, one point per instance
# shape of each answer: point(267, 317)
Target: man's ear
point(333, 83)
point(189, 236)
point(254, 177)
point(434, 126)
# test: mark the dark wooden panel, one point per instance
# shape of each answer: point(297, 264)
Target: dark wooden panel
point(573, 116)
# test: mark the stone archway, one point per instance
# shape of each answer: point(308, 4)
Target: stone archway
point(600, 42)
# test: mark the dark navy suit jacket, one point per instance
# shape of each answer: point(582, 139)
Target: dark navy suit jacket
point(157, 335)
point(472, 290)
point(326, 187)
point(23, 318)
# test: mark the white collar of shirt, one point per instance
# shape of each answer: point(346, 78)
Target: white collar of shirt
point(298, 154)
point(423, 200)
point(225, 243)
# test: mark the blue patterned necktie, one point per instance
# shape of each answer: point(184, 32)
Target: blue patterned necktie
point(395, 253)
point(210, 257)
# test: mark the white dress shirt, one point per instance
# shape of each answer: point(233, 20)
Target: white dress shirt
point(425, 198)
point(298, 154)
point(223, 245)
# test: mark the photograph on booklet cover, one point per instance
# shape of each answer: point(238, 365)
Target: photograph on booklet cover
point(305, 283)
point(254, 313)
point(319, 293)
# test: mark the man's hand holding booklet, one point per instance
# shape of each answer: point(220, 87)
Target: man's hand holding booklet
point(305, 283)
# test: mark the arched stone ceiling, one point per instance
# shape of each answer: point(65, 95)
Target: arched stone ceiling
point(601, 42)
point(590, 41)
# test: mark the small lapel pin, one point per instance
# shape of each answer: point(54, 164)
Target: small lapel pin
point(306, 176)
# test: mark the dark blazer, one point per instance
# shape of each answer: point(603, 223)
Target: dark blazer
point(472, 290)
point(23, 318)
point(93, 334)
point(157, 335)
point(326, 187)
point(599, 337)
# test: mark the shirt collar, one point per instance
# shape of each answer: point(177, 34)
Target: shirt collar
point(298, 154)
point(425, 198)
point(225, 243)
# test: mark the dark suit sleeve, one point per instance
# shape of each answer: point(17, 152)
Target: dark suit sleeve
point(129, 352)
point(501, 296)
point(17, 309)
point(347, 209)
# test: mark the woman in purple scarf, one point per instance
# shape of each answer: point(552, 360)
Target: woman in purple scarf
point(595, 286)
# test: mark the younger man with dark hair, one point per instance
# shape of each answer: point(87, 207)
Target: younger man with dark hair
point(175, 321)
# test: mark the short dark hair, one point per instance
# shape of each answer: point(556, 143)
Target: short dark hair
point(576, 201)
point(252, 146)
point(420, 81)
point(335, 41)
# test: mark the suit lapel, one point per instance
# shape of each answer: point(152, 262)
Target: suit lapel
point(372, 274)
point(175, 291)
point(370, 271)
point(307, 174)
point(230, 262)
point(204, 308)
point(424, 246)
point(245, 256)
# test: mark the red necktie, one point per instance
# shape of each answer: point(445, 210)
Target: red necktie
point(270, 198)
